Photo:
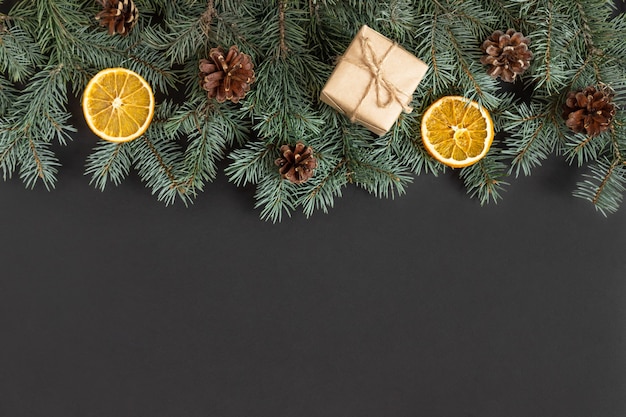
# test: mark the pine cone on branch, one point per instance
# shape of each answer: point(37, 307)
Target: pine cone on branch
point(297, 163)
point(507, 54)
point(589, 110)
point(119, 16)
point(226, 76)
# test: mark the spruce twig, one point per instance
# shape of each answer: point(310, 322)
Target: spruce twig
point(51, 47)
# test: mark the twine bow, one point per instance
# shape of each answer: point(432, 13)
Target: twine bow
point(374, 65)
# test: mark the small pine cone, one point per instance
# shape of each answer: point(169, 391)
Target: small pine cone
point(589, 110)
point(226, 76)
point(296, 163)
point(120, 16)
point(507, 54)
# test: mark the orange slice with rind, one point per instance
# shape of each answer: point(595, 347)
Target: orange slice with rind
point(457, 131)
point(118, 105)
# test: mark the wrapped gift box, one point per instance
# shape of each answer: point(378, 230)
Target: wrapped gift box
point(374, 81)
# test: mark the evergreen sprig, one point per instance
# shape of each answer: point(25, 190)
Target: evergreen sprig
point(49, 49)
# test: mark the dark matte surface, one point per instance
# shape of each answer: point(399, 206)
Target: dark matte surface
point(428, 305)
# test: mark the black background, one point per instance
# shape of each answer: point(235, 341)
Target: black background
point(427, 305)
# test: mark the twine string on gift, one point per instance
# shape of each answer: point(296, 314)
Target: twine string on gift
point(374, 66)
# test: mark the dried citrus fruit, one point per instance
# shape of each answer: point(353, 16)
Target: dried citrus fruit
point(118, 104)
point(457, 131)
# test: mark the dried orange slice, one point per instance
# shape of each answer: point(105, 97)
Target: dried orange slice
point(118, 104)
point(457, 131)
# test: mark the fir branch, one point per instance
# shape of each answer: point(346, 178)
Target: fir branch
point(404, 144)
point(49, 46)
point(209, 129)
point(548, 52)
point(166, 168)
point(206, 147)
point(473, 89)
point(397, 18)
point(283, 48)
point(529, 154)
point(51, 25)
point(433, 52)
point(585, 148)
point(605, 185)
point(580, 73)
point(37, 117)
point(152, 65)
point(19, 53)
point(40, 107)
point(436, 54)
point(550, 70)
point(251, 163)
point(10, 152)
point(509, 18)
point(586, 29)
point(413, 155)
point(534, 133)
point(313, 9)
point(33, 158)
point(322, 195)
point(282, 108)
point(450, 45)
point(110, 162)
point(39, 170)
point(157, 160)
point(276, 196)
point(8, 95)
point(338, 167)
point(207, 18)
point(380, 178)
point(186, 34)
point(484, 180)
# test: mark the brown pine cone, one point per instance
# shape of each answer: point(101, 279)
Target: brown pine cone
point(507, 54)
point(589, 110)
point(226, 76)
point(120, 16)
point(297, 163)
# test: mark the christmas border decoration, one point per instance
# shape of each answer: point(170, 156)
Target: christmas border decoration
point(242, 80)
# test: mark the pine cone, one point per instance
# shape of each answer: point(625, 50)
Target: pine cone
point(297, 162)
point(589, 110)
point(120, 16)
point(226, 76)
point(507, 54)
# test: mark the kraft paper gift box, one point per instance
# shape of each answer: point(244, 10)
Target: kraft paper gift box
point(374, 81)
